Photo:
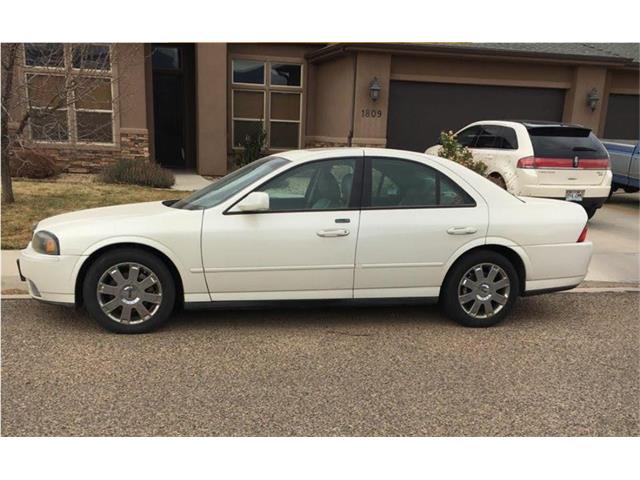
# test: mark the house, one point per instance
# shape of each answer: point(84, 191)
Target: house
point(191, 105)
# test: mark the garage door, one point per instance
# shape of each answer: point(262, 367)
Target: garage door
point(419, 111)
point(622, 121)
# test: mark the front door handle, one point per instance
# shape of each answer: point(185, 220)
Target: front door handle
point(461, 230)
point(334, 232)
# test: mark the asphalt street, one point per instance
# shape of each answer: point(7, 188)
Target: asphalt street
point(562, 364)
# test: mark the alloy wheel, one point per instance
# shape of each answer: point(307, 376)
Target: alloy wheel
point(129, 293)
point(484, 290)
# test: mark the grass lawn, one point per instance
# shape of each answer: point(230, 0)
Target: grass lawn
point(36, 200)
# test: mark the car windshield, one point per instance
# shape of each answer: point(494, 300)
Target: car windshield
point(227, 186)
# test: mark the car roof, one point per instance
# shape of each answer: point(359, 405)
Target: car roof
point(311, 154)
point(528, 123)
point(318, 153)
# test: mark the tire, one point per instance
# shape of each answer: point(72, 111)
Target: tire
point(153, 291)
point(498, 180)
point(486, 296)
point(591, 211)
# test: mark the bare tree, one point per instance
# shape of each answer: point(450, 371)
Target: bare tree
point(55, 93)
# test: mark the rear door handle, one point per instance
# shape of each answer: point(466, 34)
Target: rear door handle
point(461, 230)
point(333, 232)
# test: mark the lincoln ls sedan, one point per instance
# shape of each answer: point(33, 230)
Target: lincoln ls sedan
point(339, 225)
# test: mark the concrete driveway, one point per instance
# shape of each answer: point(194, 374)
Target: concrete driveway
point(561, 364)
point(615, 233)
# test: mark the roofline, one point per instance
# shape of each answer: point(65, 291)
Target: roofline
point(336, 49)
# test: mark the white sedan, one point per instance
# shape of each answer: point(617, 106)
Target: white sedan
point(344, 225)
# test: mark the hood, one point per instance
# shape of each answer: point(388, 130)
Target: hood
point(152, 221)
point(103, 214)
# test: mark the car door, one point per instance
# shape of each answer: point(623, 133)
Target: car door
point(303, 247)
point(414, 218)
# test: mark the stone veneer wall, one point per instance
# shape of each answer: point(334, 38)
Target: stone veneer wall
point(88, 159)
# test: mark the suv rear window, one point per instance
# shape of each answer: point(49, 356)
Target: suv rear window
point(565, 142)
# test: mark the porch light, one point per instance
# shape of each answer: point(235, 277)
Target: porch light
point(593, 98)
point(374, 89)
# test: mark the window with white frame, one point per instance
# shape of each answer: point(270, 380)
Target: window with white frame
point(70, 92)
point(266, 96)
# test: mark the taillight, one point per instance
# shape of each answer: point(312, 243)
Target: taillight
point(571, 163)
point(583, 235)
point(594, 163)
point(527, 162)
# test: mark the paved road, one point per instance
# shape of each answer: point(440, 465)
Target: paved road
point(561, 365)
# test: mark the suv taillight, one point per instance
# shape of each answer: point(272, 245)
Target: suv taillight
point(580, 164)
point(527, 162)
point(583, 235)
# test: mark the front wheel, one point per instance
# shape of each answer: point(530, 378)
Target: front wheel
point(480, 290)
point(129, 291)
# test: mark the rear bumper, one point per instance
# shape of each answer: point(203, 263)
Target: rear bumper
point(591, 202)
point(560, 191)
point(556, 267)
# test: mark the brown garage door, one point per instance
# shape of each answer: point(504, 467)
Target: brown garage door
point(419, 111)
point(622, 121)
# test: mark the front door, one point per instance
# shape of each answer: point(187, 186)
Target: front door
point(303, 247)
point(173, 105)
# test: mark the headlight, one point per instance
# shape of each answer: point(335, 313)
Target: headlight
point(45, 242)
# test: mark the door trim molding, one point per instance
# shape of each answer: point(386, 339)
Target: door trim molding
point(283, 268)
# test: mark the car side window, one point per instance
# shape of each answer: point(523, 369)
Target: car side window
point(322, 185)
point(497, 137)
point(399, 183)
point(509, 139)
point(488, 137)
point(467, 137)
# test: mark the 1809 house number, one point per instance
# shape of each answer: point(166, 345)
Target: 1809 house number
point(368, 113)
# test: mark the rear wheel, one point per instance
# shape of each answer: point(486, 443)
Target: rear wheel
point(591, 211)
point(498, 180)
point(129, 291)
point(481, 289)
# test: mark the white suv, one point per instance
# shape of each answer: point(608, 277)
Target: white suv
point(541, 159)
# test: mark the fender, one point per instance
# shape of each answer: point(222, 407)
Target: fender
point(146, 241)
point(478, 242)
point(510, 178)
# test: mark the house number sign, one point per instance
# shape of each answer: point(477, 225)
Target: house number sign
point(371, 113)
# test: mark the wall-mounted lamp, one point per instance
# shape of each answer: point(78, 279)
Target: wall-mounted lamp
point(593, 98)
point(374, 89)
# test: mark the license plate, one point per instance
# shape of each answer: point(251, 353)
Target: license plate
point(574, 195)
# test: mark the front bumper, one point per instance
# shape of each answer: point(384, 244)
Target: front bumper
point(50, 278)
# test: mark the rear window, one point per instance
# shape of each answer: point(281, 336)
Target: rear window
point(566, 142)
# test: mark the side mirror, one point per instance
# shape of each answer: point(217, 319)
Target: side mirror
point(254, 202)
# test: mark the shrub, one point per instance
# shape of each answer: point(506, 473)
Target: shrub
point(30, 164)
point(137, 172)
point(452, 150)
point(253, 148)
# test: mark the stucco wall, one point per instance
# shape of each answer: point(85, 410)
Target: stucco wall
point(211, 108)
point(332, 102)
